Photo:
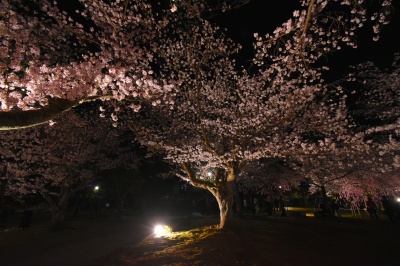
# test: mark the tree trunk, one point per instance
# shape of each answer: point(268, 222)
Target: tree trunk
point(224, 194)
point(58, 218)
point(225, 203)
point(325, 202)
point(2, 191)
point(58, 208)
point(223, 190)
point(3, 183)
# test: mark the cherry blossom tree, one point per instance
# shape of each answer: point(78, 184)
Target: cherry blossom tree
point(215, 116)
point(377, 108)
point(55, 161)
point(218, 117)
point(374, 184)
point(52, 60)
point(267, 177)
point(352, 168)
point(264, 180)
point(363, 164)
point(328, 164)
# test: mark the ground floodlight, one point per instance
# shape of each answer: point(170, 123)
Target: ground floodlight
point(162, 230)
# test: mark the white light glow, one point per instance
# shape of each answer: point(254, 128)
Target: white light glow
point(162, 230)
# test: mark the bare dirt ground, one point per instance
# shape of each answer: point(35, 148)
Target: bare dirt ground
point(258, 240)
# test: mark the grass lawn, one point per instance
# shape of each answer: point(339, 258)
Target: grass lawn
point(269, 241)
point(259, 240)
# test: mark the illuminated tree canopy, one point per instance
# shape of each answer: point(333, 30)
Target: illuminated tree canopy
point(53, 162)
point(170, 73)
point(51, 61)
point(217, 118)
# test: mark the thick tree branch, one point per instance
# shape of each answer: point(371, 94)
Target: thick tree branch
point(22, 119)
point(194, 181)
point(14, 120)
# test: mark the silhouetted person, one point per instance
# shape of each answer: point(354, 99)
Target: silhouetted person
point(396, 207)
point(276, 205)
point(323, 207)
point(3, 215)
point(335, 209)
point(372, 209)
point(282, 207)
point(256, 207)
point(388, 208)
point(268, 207)
point(26, 220)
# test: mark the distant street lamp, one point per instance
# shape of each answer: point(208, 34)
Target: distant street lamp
point(173, 7)
point(96, 188)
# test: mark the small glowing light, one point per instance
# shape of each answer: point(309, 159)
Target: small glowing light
point(280, 186)
point(96, 188)
point(398, 199)
point(209, 174)
point(174, 8)
point(162, 230)
point(309, 214)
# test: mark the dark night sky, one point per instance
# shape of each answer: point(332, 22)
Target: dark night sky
point(264, 16)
